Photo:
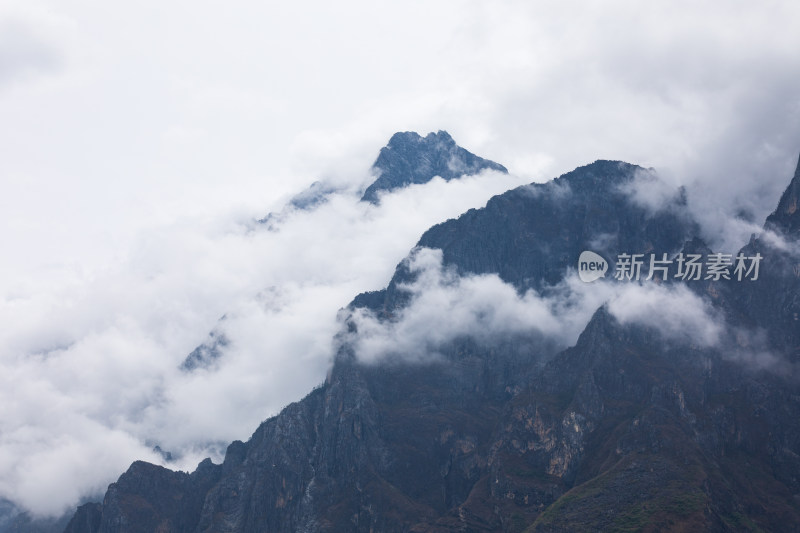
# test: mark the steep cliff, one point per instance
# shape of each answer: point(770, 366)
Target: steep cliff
point(626, 430)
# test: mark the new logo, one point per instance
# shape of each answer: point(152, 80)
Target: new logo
point(591, 266)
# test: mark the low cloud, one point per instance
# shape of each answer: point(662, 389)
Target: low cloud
point(24, 52)
point(123, 250)
point(90, 369)
point(652, 191)
point(445, 306)
point(675, 311)
point(751, 348)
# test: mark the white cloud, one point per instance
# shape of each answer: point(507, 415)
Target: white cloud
point(95, 362)
point(34, 43)
point(137, 139)
point(445, 306)
point(651, 191)
point(675, 311)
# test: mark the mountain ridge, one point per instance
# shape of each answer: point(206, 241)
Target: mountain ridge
point(619, 431)
point(408, 158)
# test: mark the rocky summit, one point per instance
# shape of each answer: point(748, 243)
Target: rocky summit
point(410, 158)
point(626, 429)
point(407, 159)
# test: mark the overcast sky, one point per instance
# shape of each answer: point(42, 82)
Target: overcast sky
point(138, 142)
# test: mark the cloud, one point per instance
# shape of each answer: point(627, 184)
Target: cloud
point(751, 348)
point(130, 177)
point(703, 95)
point(674, 311)
point(27, 46)
point(651, 191)
point(682, 317)
point(445, 306)
point(91, 369)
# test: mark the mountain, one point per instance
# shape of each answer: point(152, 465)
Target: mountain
point(630, 428)
point(207, 353)
point(407, 158)
point(410, 158)
point(315, 195)
point(530, 235)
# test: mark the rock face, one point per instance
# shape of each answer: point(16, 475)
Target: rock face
point(88, 517)
point(410, 158)
point(531, 235)
point(785, 218)
point(624, 431)
point(151, 498)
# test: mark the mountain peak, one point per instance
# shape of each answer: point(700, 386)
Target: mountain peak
point(602, 174)
point(786, 217)
point(410, 158)
point(402, 138)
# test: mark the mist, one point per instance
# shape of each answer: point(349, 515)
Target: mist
point(140, 142)
point(92, 370)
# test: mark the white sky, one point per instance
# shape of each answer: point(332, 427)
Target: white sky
point(137, 140)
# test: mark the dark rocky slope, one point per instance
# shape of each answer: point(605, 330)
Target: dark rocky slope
point(531, 235)
point(625, 431)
